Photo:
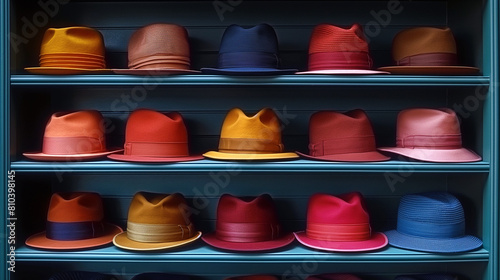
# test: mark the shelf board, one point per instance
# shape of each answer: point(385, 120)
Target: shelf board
point(201, 253)
point(213, 80)
point(207, 165)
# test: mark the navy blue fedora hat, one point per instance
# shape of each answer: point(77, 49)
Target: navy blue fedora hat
point(159, 276)
point(249, 51)
point(429, 276)
point(81, 275)
point(432, 222)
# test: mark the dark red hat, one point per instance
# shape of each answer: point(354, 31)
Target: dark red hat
point(152, 136)
point(247, 224)
point(339, 223)
point(334, 136)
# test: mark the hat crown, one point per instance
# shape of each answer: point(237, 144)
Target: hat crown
point(75, 207)
point(258, 209)
point(423, 40)
point(146, 125)
point(155, 208)
point(76, 40)
point(259, 38)
point(263, 125)
point(330, 38)
point(343, 209)
point(88, 123)
point(325, 125)
point(438, 208)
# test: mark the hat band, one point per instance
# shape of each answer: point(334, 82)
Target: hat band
point(429, 59)
point(430, 229)
point(160, 149)
point(430, 141)
point(73, 145)
point(178, 59)
point(345, 145)
point(339, 60)
point(248, 60)
point(339, 232)
point(245, 145)
point(247, 232)
point(154, 233)
point(73, 230)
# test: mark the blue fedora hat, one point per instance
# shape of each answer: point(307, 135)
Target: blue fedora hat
point(159, 276)
point(81, 275)
point(430, 276)
point(432, 222)
point(249, 51)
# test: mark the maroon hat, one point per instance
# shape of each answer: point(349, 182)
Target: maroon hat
point(334, 136)
point(333, 276)
point(247, 224)
point(339, 223)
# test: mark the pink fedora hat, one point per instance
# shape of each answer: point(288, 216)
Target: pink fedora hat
point(430, 135)
point(339, 223)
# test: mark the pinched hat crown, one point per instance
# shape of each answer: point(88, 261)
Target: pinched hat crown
point(75, 40)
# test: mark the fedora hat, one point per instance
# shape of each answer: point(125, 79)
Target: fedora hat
point(74, 221)
point(70, 51)
point(426, 51)
point(156, 221)
point(81, 275)
point(333, 276)
point(432, 222)
point(249, 51)
point(430, 135)
point(73, 136)
point(250, 138)
point(247, 224)
point(335, 50)
point(158, 49)
point(159, 276)
point(429, 276)
point(151, 136)
point(339, 223)
point(335, 136)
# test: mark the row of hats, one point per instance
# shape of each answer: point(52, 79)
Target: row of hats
point(424, 134)
point(163, 49)
point(87, 275)
point(429, 222)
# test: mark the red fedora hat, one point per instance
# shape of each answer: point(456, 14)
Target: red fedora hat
point(73, 136)
point(151, 136)
point(430, 135)
point(335, 136)
point(339, 223)
point(247, 224)
point(74, 221)
point(335, 50)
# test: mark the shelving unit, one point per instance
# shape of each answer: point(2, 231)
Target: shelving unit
point(28, 100)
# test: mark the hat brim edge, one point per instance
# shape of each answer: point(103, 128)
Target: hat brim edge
point(456, 245)
point(130, 158)
point(76, 157)
point(435, 155)
point(122, 241)
point(249, 157)
point(353, 157)
point(212, 240)
point(378, 239)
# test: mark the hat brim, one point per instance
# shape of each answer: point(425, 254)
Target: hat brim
point(352, 157)
point(430, 70)
point(377, 241)
point(248, 71)
point(154, 72)
point(343, 72)
point(122, 157)
point(246, 157)
point(41, 241)
point(212, 240)
point(435, 155)
point(444, 245)
point(76, 157)
point(122, 241)
point(64, 71)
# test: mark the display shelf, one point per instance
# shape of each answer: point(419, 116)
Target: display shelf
point(212, 80)
point(207, 165)
point(203, 253)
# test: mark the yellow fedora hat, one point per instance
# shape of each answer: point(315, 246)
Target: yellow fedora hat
point(250, 138)
point(83, 45)
point(155, 222)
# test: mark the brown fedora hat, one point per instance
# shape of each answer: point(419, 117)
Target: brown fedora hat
point(426, 51)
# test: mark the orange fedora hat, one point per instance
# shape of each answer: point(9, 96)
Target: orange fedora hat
point(73, 136)
point(250, 138)
point(84, 46)
point(151, 136)
point(156, 221)
point(426, 51)
point(158, 49)
point(74, 221)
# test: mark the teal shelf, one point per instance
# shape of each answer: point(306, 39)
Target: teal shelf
point(200, 253)
point(206, 165)
point(211, 80)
